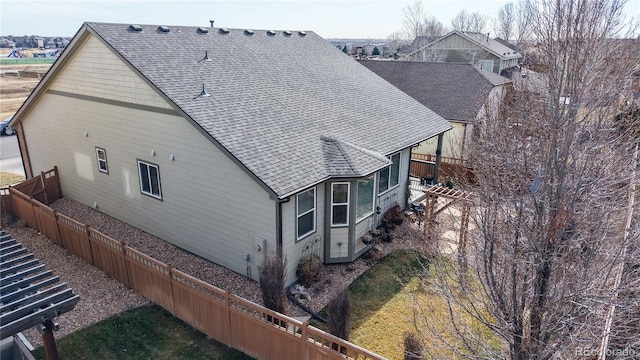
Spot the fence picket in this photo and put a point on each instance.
(230, 319)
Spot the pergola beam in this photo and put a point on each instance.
(30, 295)
(455, 195)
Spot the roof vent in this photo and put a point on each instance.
(202, 30)
(211, 22)
(302, 33)
(223, 31)
(204, 92)
(206, 56)
(135, 28)
(287, 33)
(164, 29)
(271, 33)
(249, 32)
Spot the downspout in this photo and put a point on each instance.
(279, 202)
(436, 172)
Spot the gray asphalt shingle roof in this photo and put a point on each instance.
(483, 40)
(453, 90)
(493, 45)
(277, 102)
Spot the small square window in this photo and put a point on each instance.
(101, 156)
(149, 179)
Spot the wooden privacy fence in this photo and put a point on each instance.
(423, 165)
(230, 319)
(45, 188)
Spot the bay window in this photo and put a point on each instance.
(389, 177)
(365, 202)
(339, 204)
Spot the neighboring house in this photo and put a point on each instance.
(457, 92)
(421, 41)
(228, 143)
(468, 47)
(6, 43)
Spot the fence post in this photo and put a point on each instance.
(126, 266)
(305, 340)
(229, 332)
(173, 300)
(33, 212)
(86, 230)
(44, 188)
(55, 170)
(58, 232)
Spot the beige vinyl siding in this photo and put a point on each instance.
(114, 80)
(452, 143)
(339, 235)
(209, 205)
(293, 249)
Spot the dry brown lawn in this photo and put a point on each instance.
(14, 90)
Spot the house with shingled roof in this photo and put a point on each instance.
(229, 143)
(461, 93)
(468, 47)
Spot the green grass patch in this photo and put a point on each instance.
(7, 179)
(147, 332)
(395, 297)
(26, 61)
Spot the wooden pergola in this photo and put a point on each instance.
(30, 295)
(451, 196)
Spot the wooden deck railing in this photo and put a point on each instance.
(230, 319)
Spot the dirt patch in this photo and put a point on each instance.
(16, 83)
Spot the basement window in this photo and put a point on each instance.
(101, 155)
(149, 179)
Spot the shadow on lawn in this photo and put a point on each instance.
(147, 332)
(378, 285)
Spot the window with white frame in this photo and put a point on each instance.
(101, 156)
(366, 189)
(149, 179)
(486, 65)
(339, 204)
(306, 212)
(389, 177)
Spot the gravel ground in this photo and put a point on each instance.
(102, 296)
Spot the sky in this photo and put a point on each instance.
(362, 19)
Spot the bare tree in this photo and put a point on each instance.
(554, 183)
(472, 22)
(416, 22)
(523, 14)
(413, 16)
(433, 27)
(505, 21)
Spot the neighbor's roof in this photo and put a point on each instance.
(482, 40)
(275, 99)
(453, 90)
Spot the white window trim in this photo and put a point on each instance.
(159, 196)
(389, 188)
(341, 204)
(313, 230)
(106, 164)
(373, 199)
